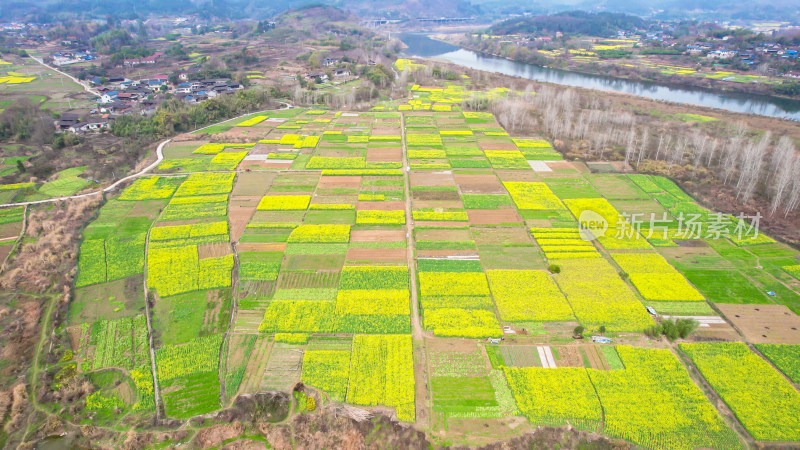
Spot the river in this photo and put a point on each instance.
(420, 45)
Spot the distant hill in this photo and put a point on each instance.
(573, 22)
(50, 10)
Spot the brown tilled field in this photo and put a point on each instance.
(377, 235)
(479, 184)
(384, 154)
(376, 255)
(343, 182)
(763, 324)
(493, 216)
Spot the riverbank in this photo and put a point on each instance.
(420, 45)
(610, 69)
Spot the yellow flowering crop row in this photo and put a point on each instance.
(556, 397)
(291, 338)
(298, 316)
(284, 202)
(252, 121)
(175, 270)
(599, 297)
(457, 216)
(655, 278)
(507, 159)
(328, 370)
(371, 197)
(426, 154)
(406, 64)
(764, 401)
(423, 140)
(307, 142)
(453, 284)
(226, 161)
(206, 184)
(334, 162)
(151, 188)
(357, 139)
(363, 172)
(320, 233)
(535, 196)
(455, 133)
(531, 143)
(634, 402)
(528, 295)
(388, 138)
(331, 206)
(188, 231)
(288, 139)
(457, 322)
(382, 373)
(380, 217)
(477, 115)
(374, 302)
(600, 206)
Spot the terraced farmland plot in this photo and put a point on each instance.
(381, 238)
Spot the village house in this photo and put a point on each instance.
(91, 125)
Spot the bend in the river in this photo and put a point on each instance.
(421, 45)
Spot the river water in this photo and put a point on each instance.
(421, 45)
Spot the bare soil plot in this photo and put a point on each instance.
(262, 149)
(569, 356)
(240, 135)
(436, 195)
(381, 206)
(715, 332)
(384, 154)
(490, 145)
(761, 324)
(10, 229)
(442, 235)
(500, 236)
(261, 247)
(251, 184)
(451, 345)
(468, 254)
(239, 216)
(336, 182)
(596, 357)
(479, 184)
(270, 164)
(283, 368)
(385, 131)
(5, 250)
(517, 175)
(438, 204)
(257, 365)
(432, 178)
(214, 250)
(377, 235)
(492, 216)
(376, 255)
(434, 223)
(337, 152)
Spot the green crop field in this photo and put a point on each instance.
(374, 262)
